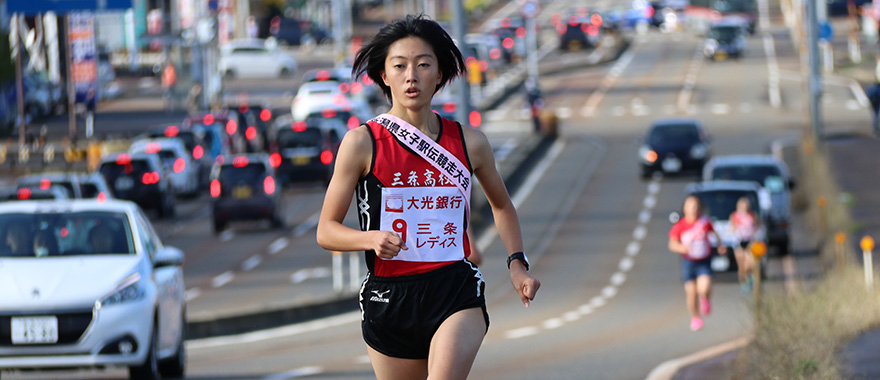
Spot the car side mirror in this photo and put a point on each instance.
(167, 257)
(674, 217)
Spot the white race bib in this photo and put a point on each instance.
(430, 220)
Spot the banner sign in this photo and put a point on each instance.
(84, 65)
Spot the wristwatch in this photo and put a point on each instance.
(518, 256)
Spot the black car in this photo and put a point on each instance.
(306, 150)
(287, 31)
(573, 33)
(673, 146)
(140, 178)
(245, 188)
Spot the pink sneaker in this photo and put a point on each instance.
(696, 323)
(705, 306)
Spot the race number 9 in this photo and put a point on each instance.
(399, 226)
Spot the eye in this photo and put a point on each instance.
(424, 64)
(398, 66)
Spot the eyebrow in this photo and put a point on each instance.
(418, 56)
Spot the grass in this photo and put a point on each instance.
(800, 336)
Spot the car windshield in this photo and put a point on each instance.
(719, 204)
(89, 190)
(722, 33)
(683, 133)
(38, 182)
(53, 234)
(755, 173)
(249, 174)
(310, 137)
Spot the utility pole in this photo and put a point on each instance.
(459, 29)
(814, 81)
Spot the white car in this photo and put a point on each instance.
(89, 284)
(183, 172)
(255, 59)
(325, 99)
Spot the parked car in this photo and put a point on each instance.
(766, 171)
(719, 201)
(726, 38)
(307, 149)
(184, 175)
(673, 146)
(140, 178)
(255, 59)
(245, 188)
(86, 284)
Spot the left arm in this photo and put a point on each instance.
(506, 219)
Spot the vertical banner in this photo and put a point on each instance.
(84, 62)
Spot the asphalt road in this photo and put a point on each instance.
(611, 305)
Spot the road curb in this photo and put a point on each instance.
(668, 369)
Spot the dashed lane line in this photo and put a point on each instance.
(296, 373)
(222, 279)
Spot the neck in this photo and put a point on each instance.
(690, 218)
(424, 119)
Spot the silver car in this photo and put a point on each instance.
(89, 284)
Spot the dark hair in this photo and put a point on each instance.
(370, 59)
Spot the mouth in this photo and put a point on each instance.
(412, 92)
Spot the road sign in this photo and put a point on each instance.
(33, 7)
(530, 10)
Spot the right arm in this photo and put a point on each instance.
(676, 246)
(352, 163)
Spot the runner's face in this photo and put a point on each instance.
(742, 205)
(412, 72)
(691, 208)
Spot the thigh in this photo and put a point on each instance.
(704, 282)
(455, 344)
(390, 368)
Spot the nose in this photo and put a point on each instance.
(411, 75)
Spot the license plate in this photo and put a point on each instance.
(124, 183)
(34, 330)
(671, 164)
(301, 160)
(241, 192)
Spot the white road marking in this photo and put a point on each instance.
(302, 275)
(632, 248)
(563, 112)
(720, 109)
(650, 201)
(293, 374)
(653, 187)
(609, 291)
(773, 89)
(571, 316)
(278, 332)
(593, 101)
(537, 173)
(278, 245)
(585, 309)
(192, 293)
(222, 279)
(521, 332)
(597, 302)
(363, 359)
(626, 264)
(644, 217)
(618, 279)
(227, 235)
(310, 223)
(553, 323)
(640, 232)
(251, 263)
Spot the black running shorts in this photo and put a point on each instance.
(401, 314)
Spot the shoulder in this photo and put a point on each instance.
(675, 231)
(357, 142)
(476, 140)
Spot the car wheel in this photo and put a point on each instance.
(175, 366)
(277, 221)
(285, 72)
(149, 370)
(229, 74)
(219, 226)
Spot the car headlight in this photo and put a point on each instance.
(710, 46)
(131, 289)
(698, 151)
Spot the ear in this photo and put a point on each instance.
(384, 78)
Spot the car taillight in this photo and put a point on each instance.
(220, 160)
(123, 159)
(449, 107)
(153, 148)
(24, 193)
(198, 152)
(265, 115)
(495, 53)
(596, 19)
(171, 131)
(150, 178)
(45, 183)
(344, 87)
(326, 157)
(275, 160)
(298, 126)
(560, 28)
(250, 133)
(353, 122)
(521, 32)
(215, 188)
(240, 161)
(179, 165)
(328, 113)
(231, 127)
(475, 118)
(651, 156)
(593, 30)
(508, 43)
(208, 119)
(102, 197)
(357, 87)
(269, 185)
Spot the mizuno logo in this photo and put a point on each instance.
(380, 296)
